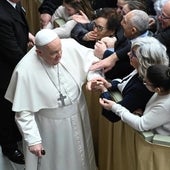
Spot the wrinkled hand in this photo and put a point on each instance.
(36, 149)
(98, 84)
(44, 20)
(81, 17)
(94, 85)
(103, 81)
(109, 41)
(31, 40)
(99, 49)
(105, 64)
(107, 104)
(90, 36)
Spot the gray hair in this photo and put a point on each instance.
(158, 4)
(140, 20)
(149, 51)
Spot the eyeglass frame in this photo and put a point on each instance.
(132, 54)
(163, 16)
(99, 27)
(147, 83)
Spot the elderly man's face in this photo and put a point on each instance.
(51, 52)
(164, 17)
(127, 26)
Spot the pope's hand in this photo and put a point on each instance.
(37, 149)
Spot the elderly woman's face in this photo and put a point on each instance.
(100, 28)
(133, 58)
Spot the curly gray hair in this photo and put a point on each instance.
(149, 51)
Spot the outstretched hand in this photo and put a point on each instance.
(99, 49)
(105, 64)
(107, 104)
(98, 84)
(81, 17)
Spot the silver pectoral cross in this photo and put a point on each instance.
(61, 98)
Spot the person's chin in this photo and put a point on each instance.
(56, 61)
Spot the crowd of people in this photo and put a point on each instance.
(121, 45)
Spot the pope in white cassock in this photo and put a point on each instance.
(51, 112)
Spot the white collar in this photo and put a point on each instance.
(142, 35)
(12, 3)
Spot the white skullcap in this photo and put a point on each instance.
(45, 36)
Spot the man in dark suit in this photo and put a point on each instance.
(14, 36)
(164, 34)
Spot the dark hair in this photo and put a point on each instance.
(113, 18)
(159, 76)
(83, 5)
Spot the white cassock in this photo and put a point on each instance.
(62, 126)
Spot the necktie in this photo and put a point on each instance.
(18, 8)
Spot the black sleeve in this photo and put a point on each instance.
(122, 46)
(79, 31)
(136, 98)
(122, 53)
(49, 6)
(163, 37)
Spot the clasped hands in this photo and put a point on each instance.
(101, 85)
(98, 84)
(102, 45)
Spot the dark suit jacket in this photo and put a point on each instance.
(13, 46)
(13, 40)
(79, 31)
(164, 37)
(135, 95)
(122, 47)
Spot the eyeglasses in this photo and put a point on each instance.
(132, 54)
(146, 83)
(163, 16)
(99, 27)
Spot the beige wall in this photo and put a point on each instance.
(31, 7)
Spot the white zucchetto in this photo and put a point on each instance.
(45, 36)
